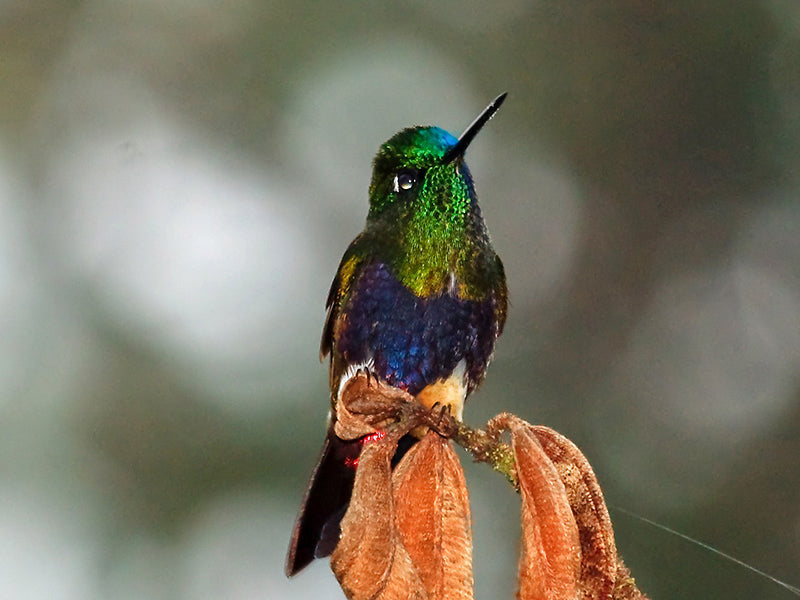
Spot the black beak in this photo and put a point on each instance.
(470, 132)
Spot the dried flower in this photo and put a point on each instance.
(407, 531)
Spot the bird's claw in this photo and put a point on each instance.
(441, 420)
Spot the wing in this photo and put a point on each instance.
(349, 268)
(316, 531)
(501, 296)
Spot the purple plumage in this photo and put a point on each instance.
(412, 341)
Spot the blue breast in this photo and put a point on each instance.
(414, 341)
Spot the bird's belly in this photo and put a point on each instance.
(449, 392)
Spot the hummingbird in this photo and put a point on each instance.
(419, 300)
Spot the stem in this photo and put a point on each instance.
(487, 448)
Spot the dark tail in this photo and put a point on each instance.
(317, 529)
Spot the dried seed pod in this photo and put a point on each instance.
(370, 561)
(433, 518)
(599, 552)
(550, 556)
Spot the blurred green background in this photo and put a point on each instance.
(178, 180)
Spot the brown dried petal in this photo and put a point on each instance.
(369, 561)
(599, 564)
(366, 404)
(550, 558)
(433, 518)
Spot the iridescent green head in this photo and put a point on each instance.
(424, 211)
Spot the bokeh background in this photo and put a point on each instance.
(178, 180)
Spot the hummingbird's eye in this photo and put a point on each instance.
(404, 180)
